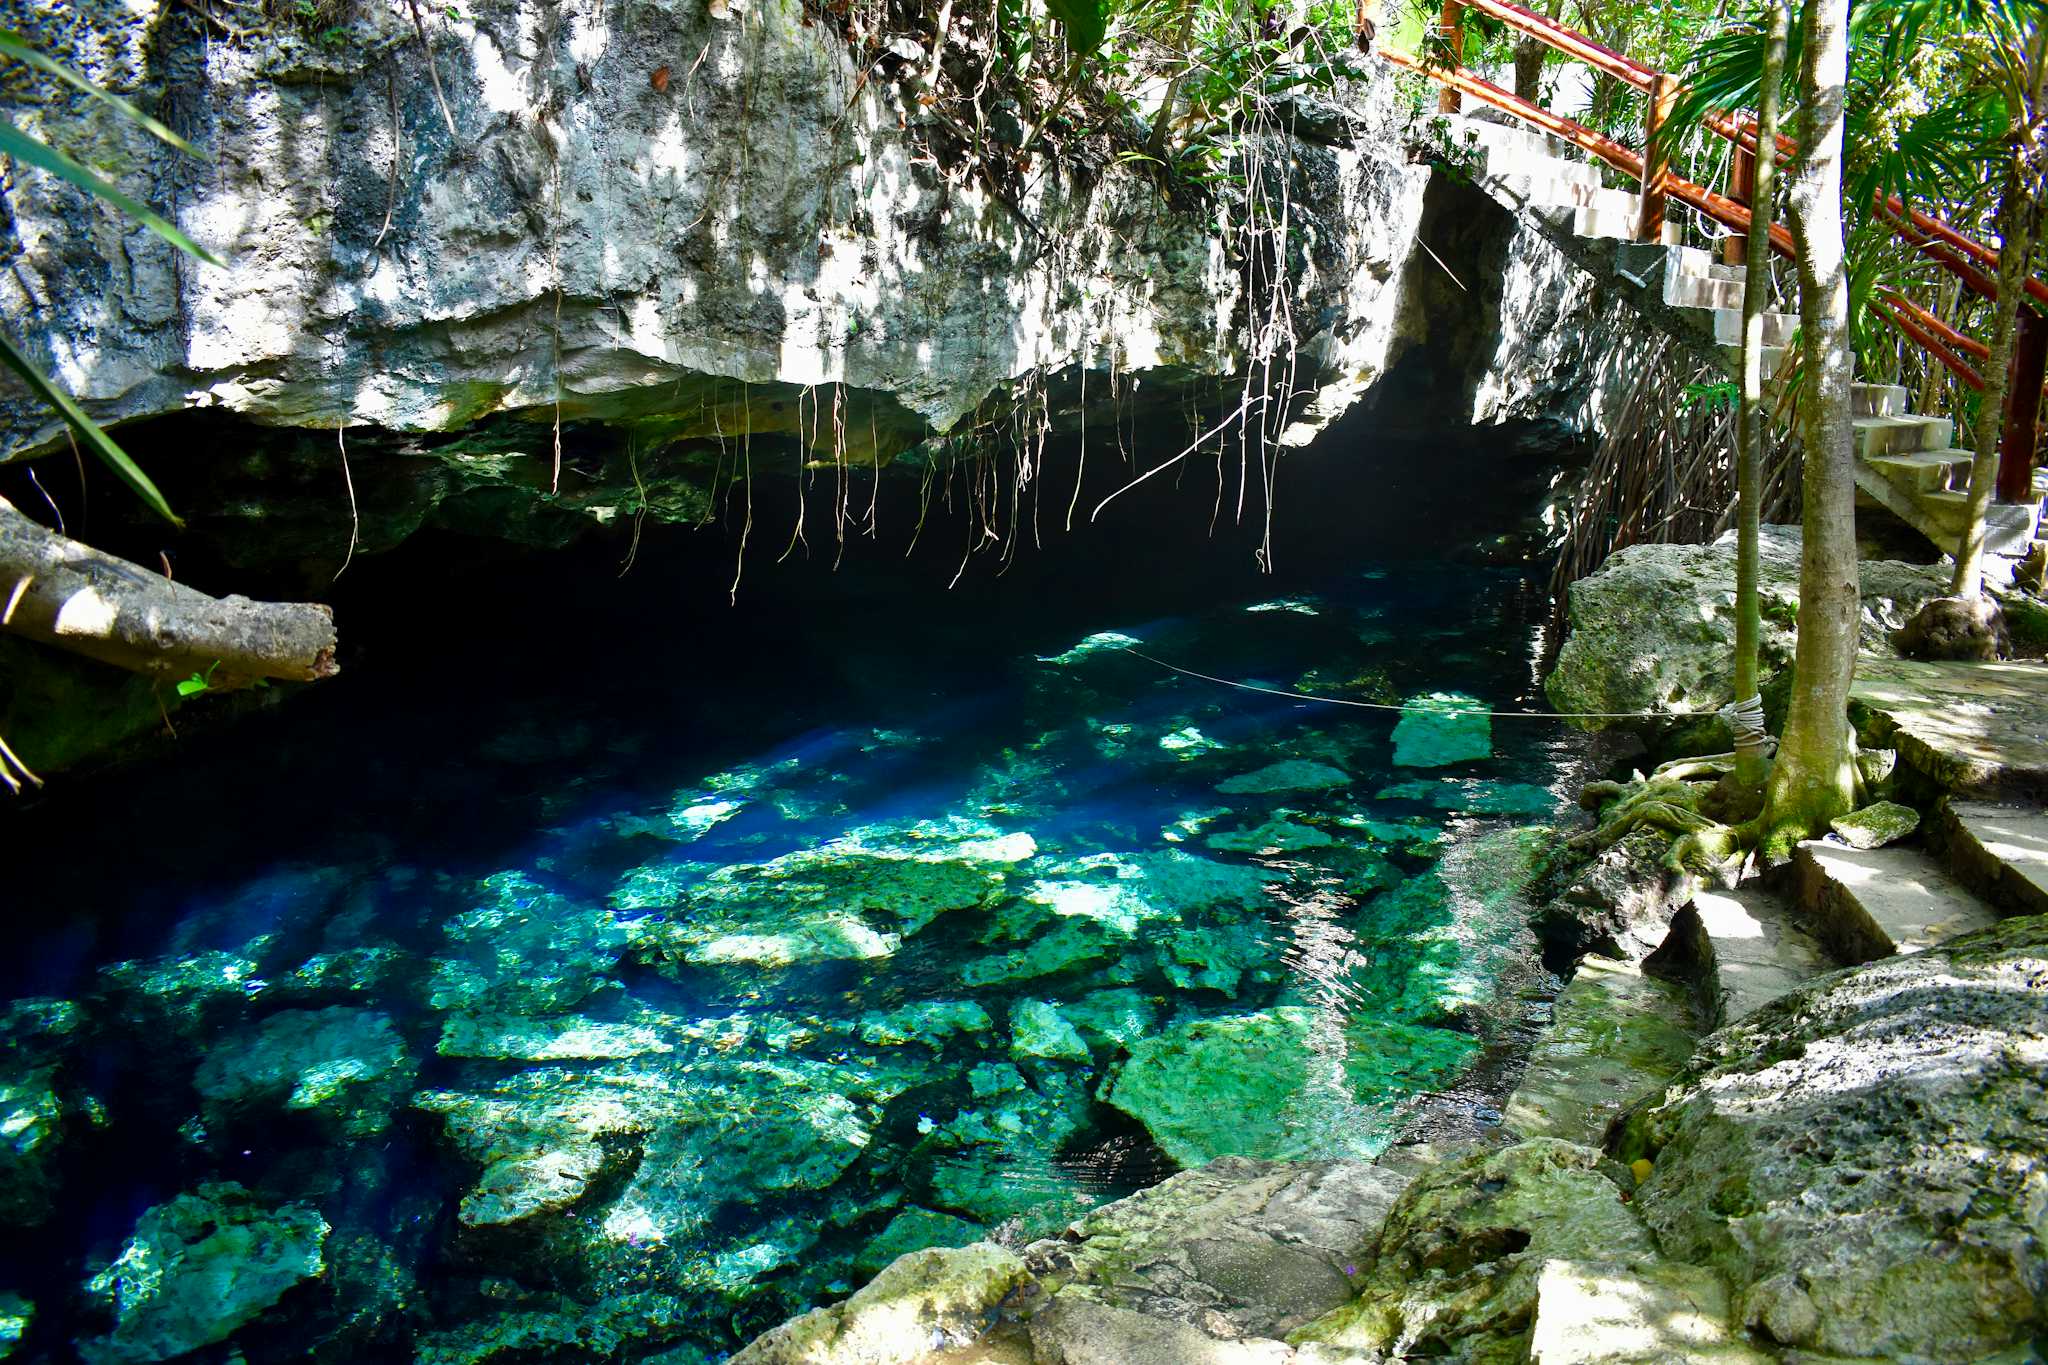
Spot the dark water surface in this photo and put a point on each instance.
(597, 971)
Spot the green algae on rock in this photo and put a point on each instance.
(197, 1268)
(1439, 729)
(915, 1229)
(1461, 1252)
(1037, 1029)
(1274, 1083)
(347, 1067)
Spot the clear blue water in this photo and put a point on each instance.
(636, 983)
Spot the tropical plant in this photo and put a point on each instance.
(31, 151)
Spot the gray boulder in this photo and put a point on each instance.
(1654, 629)
(1866, 1159)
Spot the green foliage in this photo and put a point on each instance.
(30, 151)
(1721, 395)
(198, 682)
(1084, 21)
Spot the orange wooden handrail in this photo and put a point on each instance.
(1743, 134)
(1718, 207)
(1929, 343)
(1948, 335)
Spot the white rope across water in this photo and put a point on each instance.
(1424, 708)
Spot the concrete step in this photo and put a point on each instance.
(1877, 400)
(1702, 291)
(1864, 904)
(1615, 223)
(1544, 190)
(1998, 851)
(2009, 527)
(1901, 435)
(1778, 327)
(1616, 1034)
(1757, 950)
(1926, 471)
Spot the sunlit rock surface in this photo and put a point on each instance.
(1864, 1158)
(694, 256)
(198, 1267)
(1653, 631)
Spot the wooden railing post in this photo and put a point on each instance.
(1742, 189)
(2023, 408)
(1452, 26)
(1656, 164)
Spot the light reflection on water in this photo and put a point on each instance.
(719, 1028)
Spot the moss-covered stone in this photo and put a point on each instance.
(198, 1267)
(1290, 775)
(1037, 1029)
(1875, 825)
(1459, 1259)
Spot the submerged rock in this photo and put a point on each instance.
(16, 1313)
(198, 1267)
(1276, 1082)
(347, 1067)
(915, 1230)
(526, 950)
(1037, 1029)
(931, 1022)
(1290, 775)
(1863, 1158)
(1438, 729)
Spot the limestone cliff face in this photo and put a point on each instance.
(682, 227)
(642, 211)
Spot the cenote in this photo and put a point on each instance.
(610, 968)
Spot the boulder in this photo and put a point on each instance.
(1039, 1030)
(1864, 1158)
(1237, 1248)
(1653, 630)
(925, 1301)
(198, 1267)
(915, 1229)
(1620, 903)
(1955, 628)
(1464, 1249)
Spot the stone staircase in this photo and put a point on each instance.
(1906, 464)
(1620, 1030)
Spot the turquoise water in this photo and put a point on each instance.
(621, 1010)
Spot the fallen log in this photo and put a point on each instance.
(62, 593)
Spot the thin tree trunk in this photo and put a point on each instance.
(1753, 420)
(62, 593)
(1159, 144)
(1814, 777)
(2018, 226)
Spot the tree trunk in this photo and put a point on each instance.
(2019, 222)
(1814, 777)
(62, 593)
(1752, 425)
